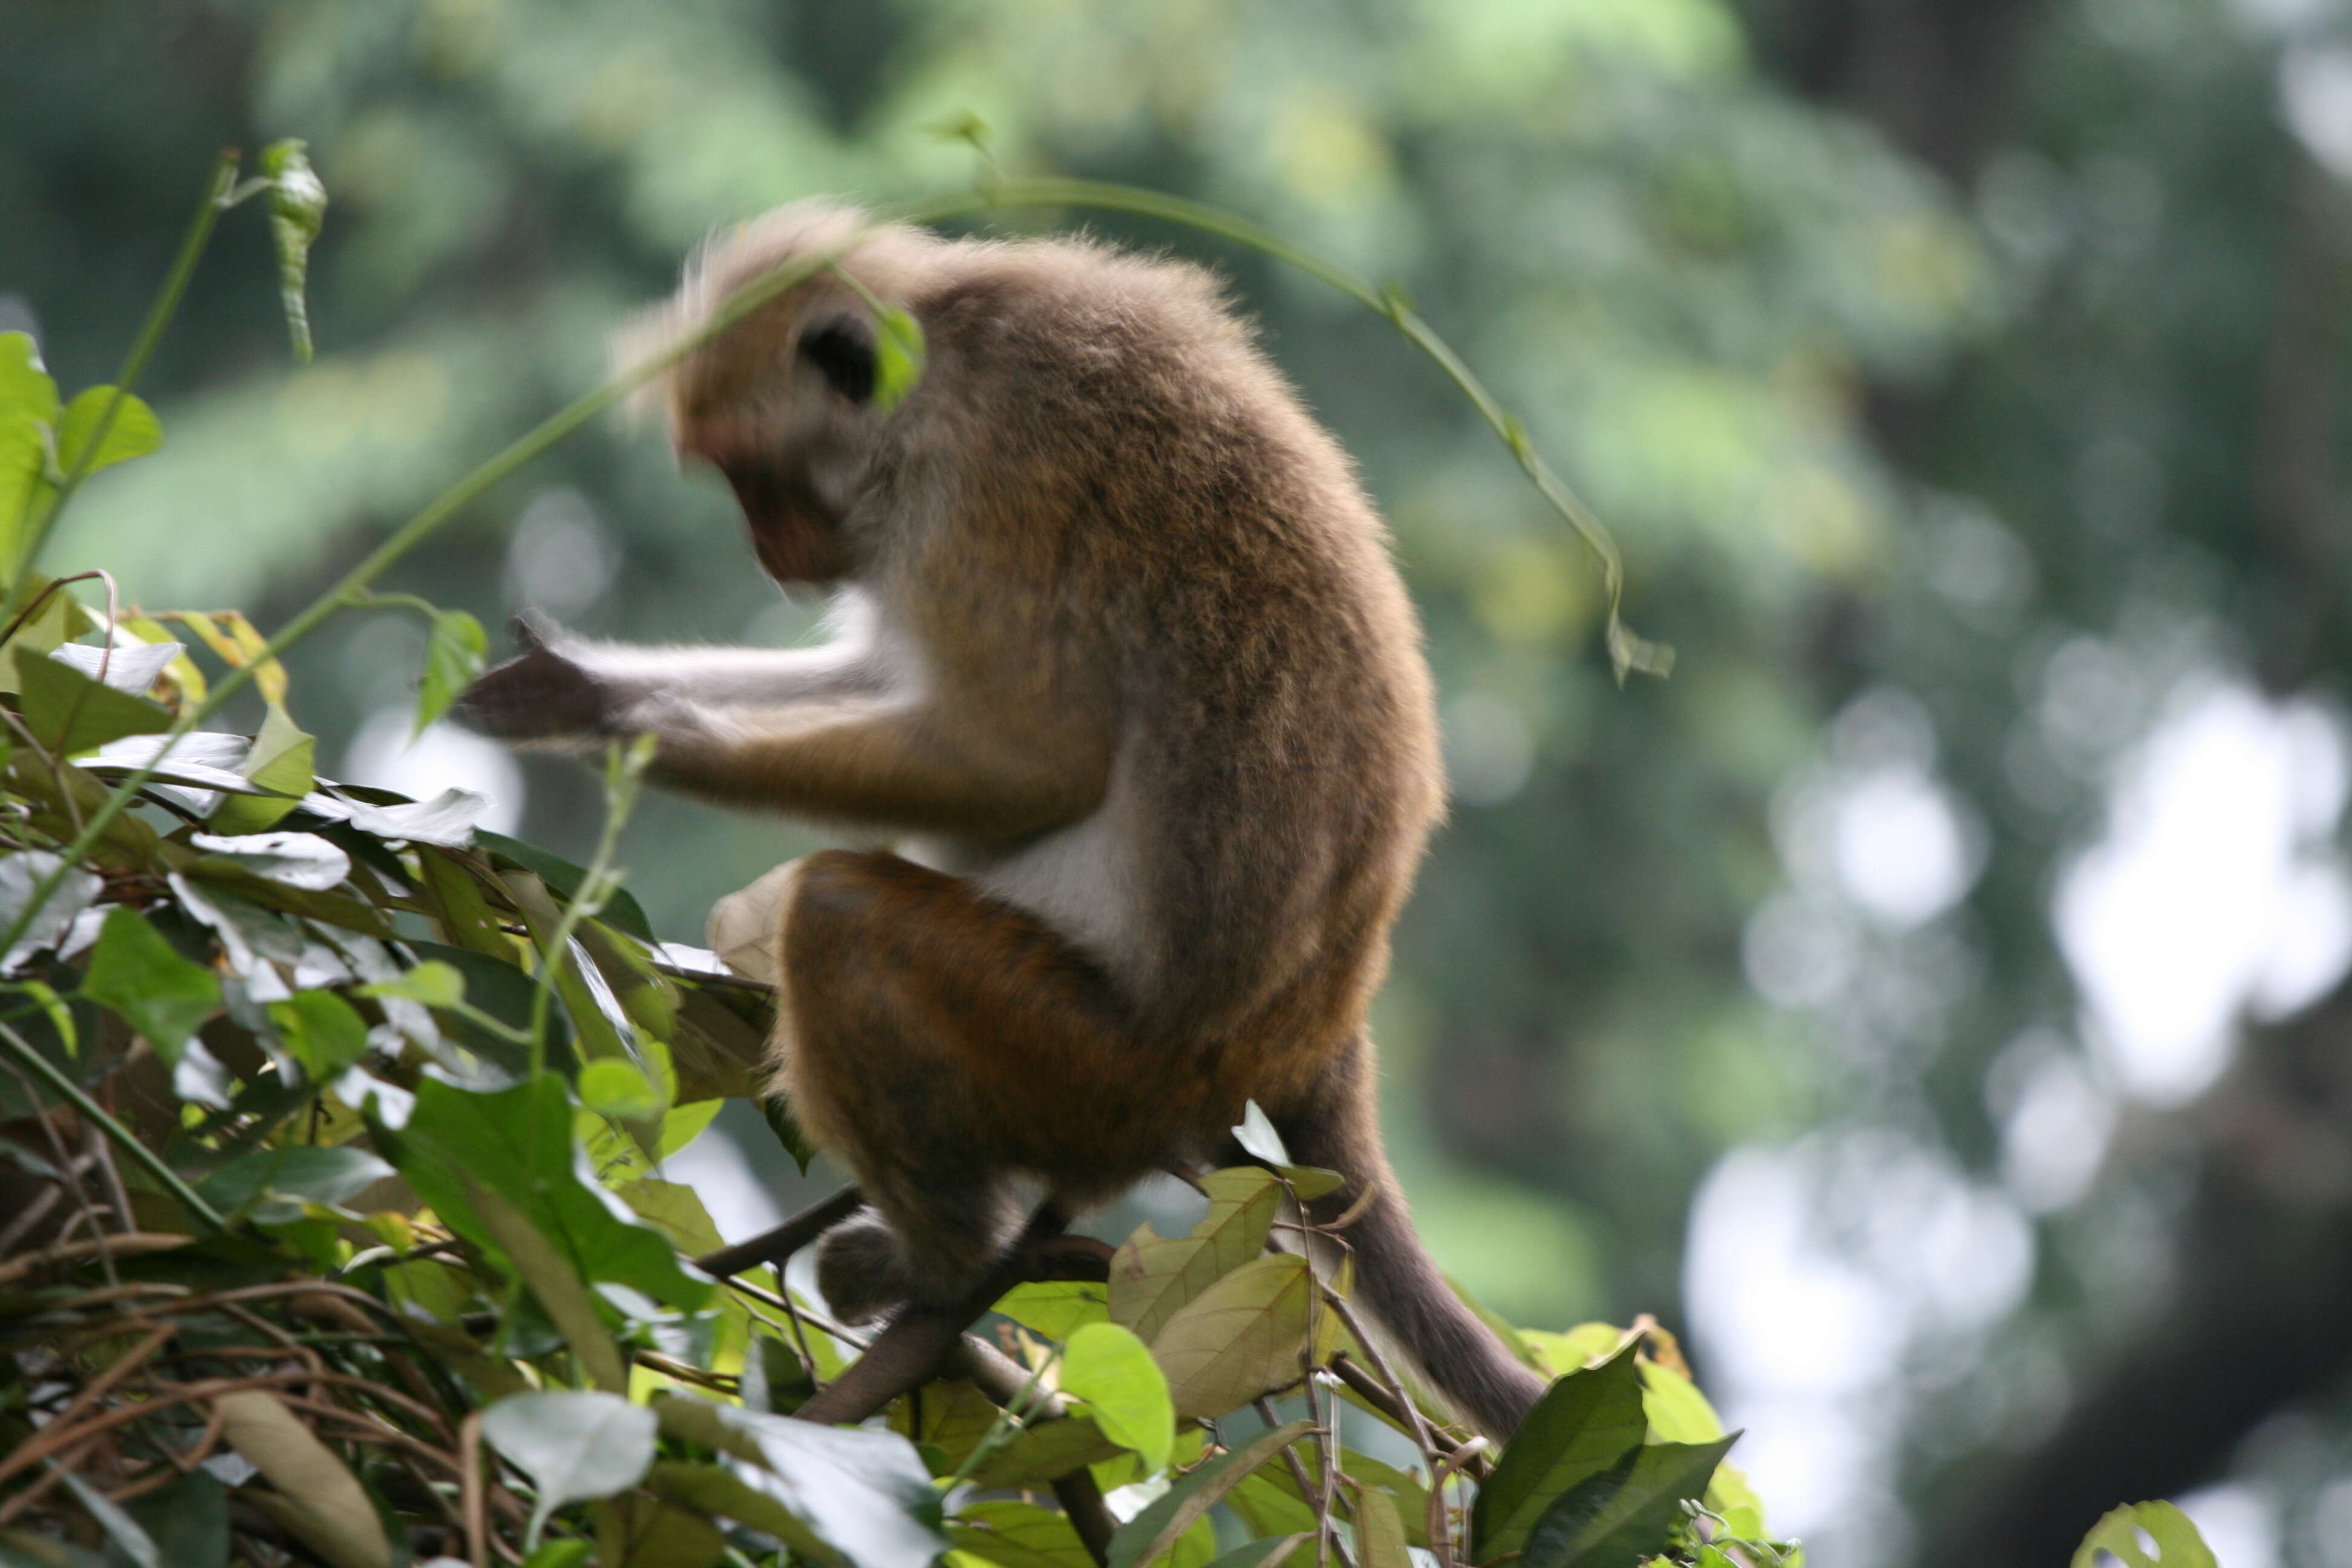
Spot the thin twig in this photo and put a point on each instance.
(778, 1243)
(137, 1242)
(1440, 1527)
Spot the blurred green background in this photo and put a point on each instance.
(1928, 1001)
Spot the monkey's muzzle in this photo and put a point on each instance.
(795, 536)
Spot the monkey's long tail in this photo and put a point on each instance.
(1395, 1276)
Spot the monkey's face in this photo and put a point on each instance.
(782, 405)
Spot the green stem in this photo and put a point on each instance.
(421, 606)
(623, 769)
(142, 348)
(26, 1055)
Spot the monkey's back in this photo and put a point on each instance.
(1204, 544)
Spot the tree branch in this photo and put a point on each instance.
(777, 1245)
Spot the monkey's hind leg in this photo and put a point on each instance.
(942, 1043)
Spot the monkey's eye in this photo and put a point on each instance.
(843, 353)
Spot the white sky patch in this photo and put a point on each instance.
(2213, 893)
(561, 559)
(1813, 1273)
(2054, 1137)
(444, 756)
(2239, 1522)
(2315, 96)
(1898, 846)
(732, 1195)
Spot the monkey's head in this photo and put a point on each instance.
(782, 402)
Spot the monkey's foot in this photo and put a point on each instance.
(743, 925)
(859, 1270)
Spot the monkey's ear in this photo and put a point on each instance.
(843, 351)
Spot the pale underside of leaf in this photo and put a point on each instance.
(317, 1497)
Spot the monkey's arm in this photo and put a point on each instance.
(992, 762)
(889, 763)
(563, 685)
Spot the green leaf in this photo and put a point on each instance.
(134, 433)
(563, 879)
(1057, 1308)
(538, 1263)
(297, 1174)
(1017, 1536)
(321, 1031)
(1626, 1511)
(562, 1554)
(1046, 1452)
(618, 1088)
(899, 357)
(638, 1531)
(1261, 1553)
(517, 1142)
(455, 652)
(1268, 1503)
(1678, 1412)
(1559, 1354)
(713, 1491)
(2178, 1544)
(159, 994)
(1166, 1517)
(1312, 1181)
(865, 1493)
(280, 763)
(677, 1210)
(1244, 1336)
(188, 1520)
(71, 713)
(435, 983)
(1113, 1372)
(27, 391)
(575, 1444)
(28, 412)
(1151, 1278)
(1379, 1531)
(1582, 1425)
(298, 209)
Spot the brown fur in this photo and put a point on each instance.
(1144, 685)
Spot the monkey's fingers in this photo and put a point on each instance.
(538, 696)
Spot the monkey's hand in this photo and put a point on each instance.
(545, 693)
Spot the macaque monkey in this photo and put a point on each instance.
(1122, 666)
